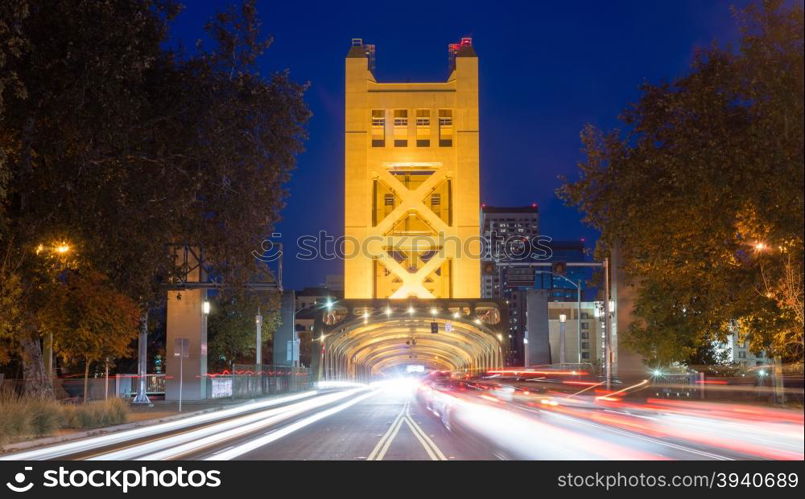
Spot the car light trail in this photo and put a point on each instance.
(278, 434)
(87, 444)
(171, 447)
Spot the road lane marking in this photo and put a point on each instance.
(282, 432)
(395, 425)
(430, 446)
(383, 445)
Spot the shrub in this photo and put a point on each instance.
(22, 417)
(97, 414)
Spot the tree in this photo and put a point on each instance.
(703, 191)
(232, 325)
(121, 146)
(90, 320)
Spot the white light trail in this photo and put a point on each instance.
(276, 435)
(59, 450)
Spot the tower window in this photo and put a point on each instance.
(378, 117)
(445, 127)
(436, 200)
(388, 200)
(400, 117)
(423, 117)
(378, 128)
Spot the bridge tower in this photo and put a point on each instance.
(411, 181)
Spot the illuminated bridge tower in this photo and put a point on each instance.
(411, 181)
(412, 254)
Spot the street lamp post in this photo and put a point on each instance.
(142, 363)
(576, 285)
(607, 326)
(562, 319)
(258, 322)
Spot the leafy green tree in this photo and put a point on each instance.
(90, 320)
(703, 193)
(232, 326)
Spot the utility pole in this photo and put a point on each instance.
(578, 319)
(607, 326)
(142, 362)
(258, 353)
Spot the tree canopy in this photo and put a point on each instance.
(703, 191)
(117, 145)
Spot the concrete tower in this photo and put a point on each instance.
(411, 181)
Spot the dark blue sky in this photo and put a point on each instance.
(546, 69)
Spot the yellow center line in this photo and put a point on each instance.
(430, 446)
(385, 440)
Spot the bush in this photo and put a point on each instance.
(98, 414)
(22, 417)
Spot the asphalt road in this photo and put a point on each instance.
(388, 425)
(398, 421)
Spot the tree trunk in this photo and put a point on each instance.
(86, 380)
(779, 388)
(36, 383)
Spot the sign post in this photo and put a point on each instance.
(181, 349)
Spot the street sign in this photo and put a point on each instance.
(434, 327)
(181, 348)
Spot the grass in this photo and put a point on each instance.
(22, 418)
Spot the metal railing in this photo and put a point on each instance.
(251, 380)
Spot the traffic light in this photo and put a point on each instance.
(434, 327)
(559, 268)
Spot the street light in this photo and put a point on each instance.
(562, 320)
(576, 285)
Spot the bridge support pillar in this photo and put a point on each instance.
(186, 321)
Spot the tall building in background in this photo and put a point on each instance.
(506, 275)
(506, 229)
(411, 181)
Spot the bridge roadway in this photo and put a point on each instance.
(399, 421)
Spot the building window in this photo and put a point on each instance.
(585, 335)
(423, 142)
(400, 143)
(400, 117)
(378, 117)
(388, 199)
(741, 355)
(436, 199)
(445, 127)
(585, 325)
(585, 345)
(423, 117)
(585, 355)
(378, 128)
(584, 315)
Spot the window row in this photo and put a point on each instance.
(400, 133)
